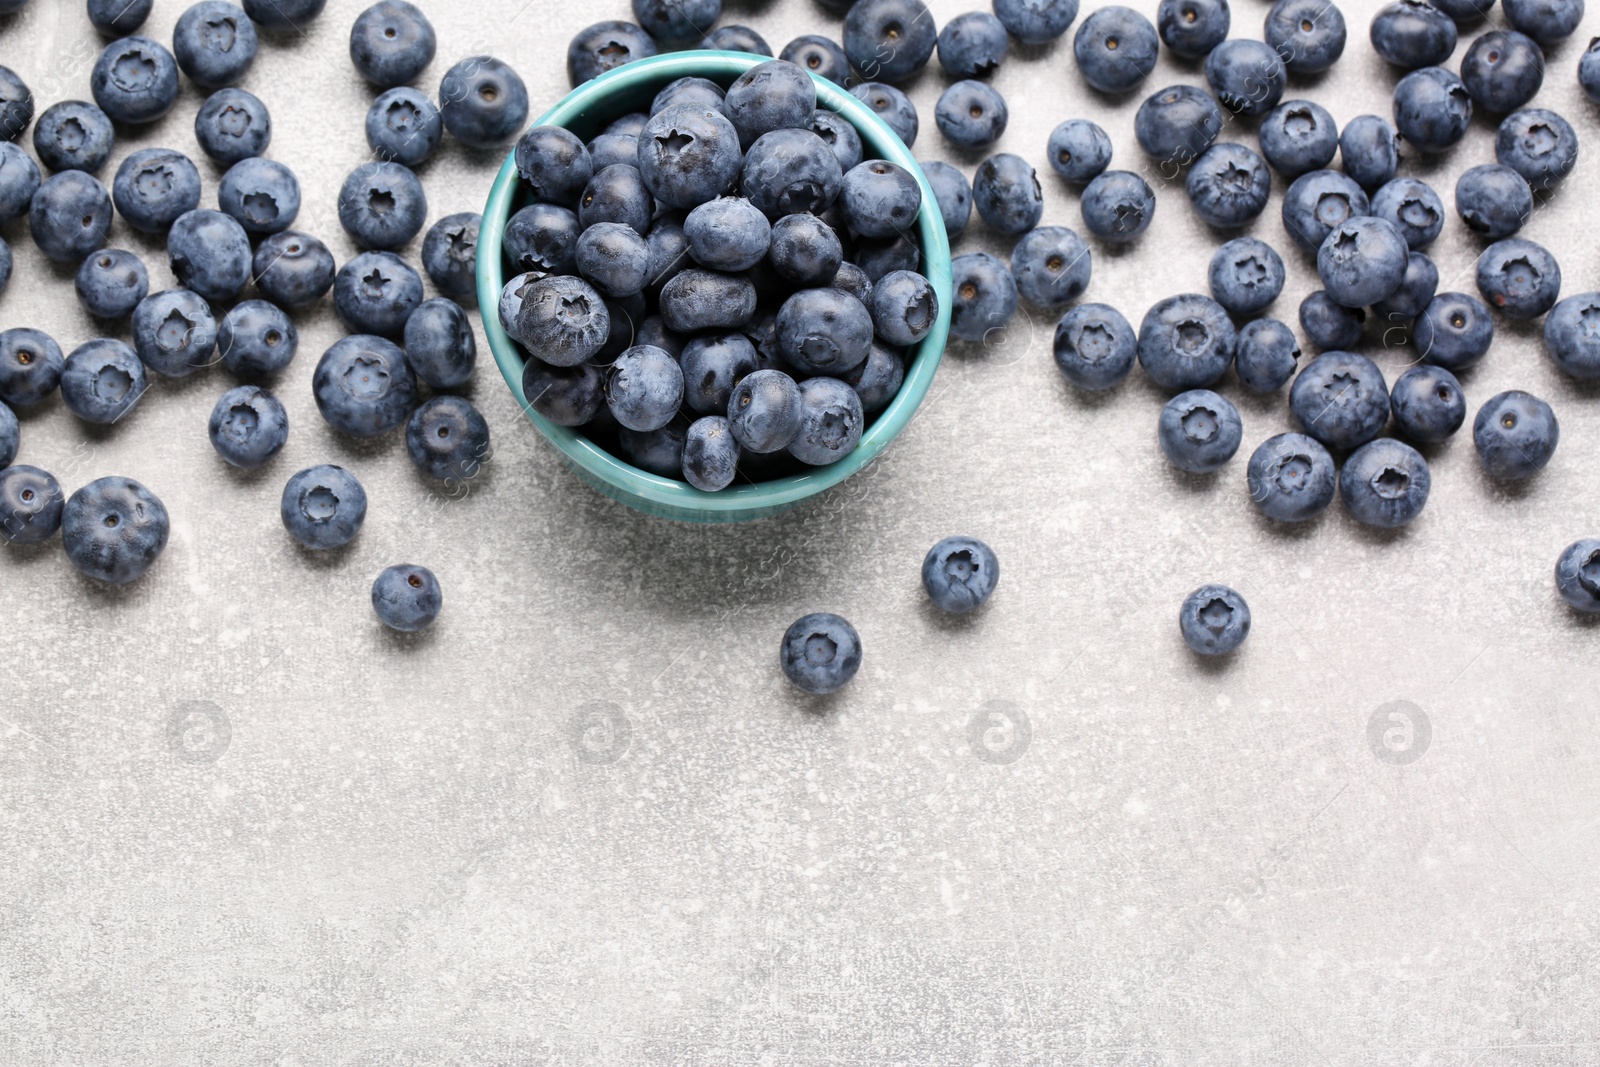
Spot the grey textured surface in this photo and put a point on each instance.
(240, 824)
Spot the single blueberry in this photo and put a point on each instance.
(1079, 151)
(255, 339)
(1341, 399)
(1493, 200)
(376, 292)
(1427, 403)
(1546, 21)
(644, 388)
(31, 502)
(118, 18)
(819, 55)
(1006, 192)
(696, 300)
(1247, 76)
(73, 135)
(567, 396)
(1578, 575)
(403, 126)
(615, 259)
(677, 22)
(1588, 76)
(111, 282)
(616, 193)
(1267, 355)
(1432, 109)
(1519, 278)
(1412, 34)
(1094, 346)
(805, 250)
(953, 194)
(840, 137)
(1228, 185)
(1571, 338)
(323, 507)
(880, 199)
(175, 333)
(554, 164)
(971, 114)
(1454, 331)
(114, 529)
(382, 205)
(1298, 137)
(69, 216)
(1317, 203)
(1246, 275)
(135, 80)
(262, 195)
(391, 43)
(1539, 145)
(1370, 151)
(736, 38)
(904, 306)
(1176, 124)
(1417, 288)
(1036, 22)
(710, 454)
(877, 257)
(209, 253)
(1384, 483)
(363, 386)
(1502, 70)
(611, 148)
(292, 269)
(775, 95)
(878, 378)
(892, 106)
(728, 233)
(889, 40)
(1515, 433)
(1308, 34)
(152, 187)
(1413, 207)
(960, 574)
(482, 101)
(688, 154)
(1117, 206)
(1291, 478)
(789, 171)
(1362, 261)
(972, 45)
(659, 451)
(984, 296)
(563, 321)
(1115, 48)
(283, 16)
(543, 237)
(406, 598)
(830, 422)
(669, 250)
(248, 426)
(1199, 431)
(828, 331)
(30, 366)
(16, 103)
(701, 92)
(19, 180)
(1186, 342)
(764, 411)
(1328, 324)
(448, 439)
(232, 125)
(1051, 266)
(439, 344)
(712, 365)
(821, 652)
(450, 254)
(1192, 28)
(1214, 620)
(215, 43)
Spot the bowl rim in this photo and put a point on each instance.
(667, 496)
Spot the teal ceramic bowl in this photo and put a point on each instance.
(586, 111)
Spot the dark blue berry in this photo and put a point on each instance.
(1362, 261)
(1546, 21)
(118, 18)
(1384, 483)
(658, 451)
(1309, 35)
(878, 378)
(1417, 287)
(1192, 28)
(892, 106)
(255, 339)
(1493, 200)
(248, 427)
(1214, 620)
(1176, 124)
(73, 135)
(376, 292)
(774, 95)
(878, 257)
(712, 365)
(483, 102)
(382, 205)
(30, 366)
(1006, 192)
(292, 269)
(391, 43)
(614, 258)
(953, 193)
(1199, 431)
(1115, 48)
(972, 45)
(735, 38)
(819, 55)
(1247, 76)
(406, 598)
(1453, 331)
(1571, 337)
(696, 300)
(805, 250)
(284, 16)
(403, 126)
(1465, 12)
(1588, 74)
(1117, 206)
(1079, 151)
(701, 92)
(1412, 34)
(214, 43)
(543, 237)
(1186, 342)
(1228, 185)
(19, 180)
(1432, 109)
(710, 454)
(1328, 324)
(728, 233)
(904, 306)
(677, 22)
(232, 125)
(830, 422)
(840, 137)
(111, 282)
(1094, 346)
(10, 436)
(1539, 145)
(363, 386)
(1298, 137)
(262, 195)
(1266, 356)
(114, 529)
(789, 171)
(135, 80)
(448, 439)
(889, 40)
(69, 216)
(554, 163)
(821, 652)
(16, 104)
(880, 199)
(1427, 403)
(1051, 266)
(764, 411)
(1578, 575)
(154, 186)
(644, 388)
(323, 507)
(1036, 22)
(825, 330)
(1370, 151)
(450, 254)
(971, 114)
(960, 574)
(102, 380)
(688, 154)
(209, 253)
(1502, 70)
(1413, 207)
(31, 502)
(175, 333)
(1341, 399)
(1246, 275)
(1515, 433)
(984, 296)
(1318, 202)
(616, 193)
(567, 396)
(1291, 478)
(439, 344)
(1519, 278)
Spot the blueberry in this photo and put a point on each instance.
(644, 388)
(659, 451)
(376, 292)
(840, 137)
(135, 80)
(567, 396)
(688, 154)
(735, 38)
(118, 18)
(1454, 331)
(19, 180)
(114, 529)
(972, 45)
(1246, 275)
(1228, 185)
(971, 114)
(1362, 261)
(1247, 76)
(1051, 266)
(1094, 346)
(31, 502)
(1370, 150)
(1412, 34)
(1413, 207)
(543, 237)
(1186, 342)
(382, 205)
(904, 306)
(853, 280)
(174, 332)
(1115, 48)
(830, 422)
(1006, 193)
(1214, 620)
(1502, 70)
(292, 269)
(403, 126)
(615, 194)
(391, 43)
(1417, 287)
(16, 105)
(1588, 77)
(631, 124)
(1427, 404)
(1266, 355)
(728, 233)
(1036, 22)
(960, 574)
(1291, 478)
(214, 42)
(712, 365)
(805, 250)
(1577, 574)
(439, 344)
(1493, 200)
(710, 454)
(248, 426)
(1308, 34)
(828, 331)
(363, 386)
(1432, 109)
(1298, 137)
(232, 125)
(1319, 202)
(1341, 399)
(696, 300)
(677, 22)
(878, 378)
(1539, 145)
(283, 16)
(111, 282)
(482, 101)
(774, 95)
(323, 507)
(510, 303)
(789, 171)
(10, 436)
(406, 598)
(1546, 21)
(1117, 206)
(1078, 150)
(1571, 337)
(880, 199)
(892, 106)
(30, 366)
(154, 186)
(69, 216)
(669, 250)
(263, 196)
(256, 339)
(450, 254)
(1176, 124)
(701, 92)
(1192, 28)
(821, 652)
(765, 411)
(611, 148)
(554, 163)
(209, 253)
(878, 257)
(1516, 434)
(1328, 324)
(952, 193)
(1199, 431)
(73, 135)
(1520, 278)
(820, 55)
(1465, 12)
(102, 380)
(1385, 483)
(985, 296)
(615, 259)
(5, 265)
(889, 40)
(448, 439)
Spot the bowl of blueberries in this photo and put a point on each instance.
(717, 283)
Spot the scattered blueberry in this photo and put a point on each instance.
(1427, 403)
(31, 502)
(292, 269)
(1414, 209)
(1370, 151)
(1177, 123)
(16, 104)
(73, 135)
(30, 366)
(1502, 70)
(1247, 76)
(363, 386)
(1519, 278)
(1246, 275)
(1291, 478)
(450, 254)
(735, 38)
(820, 55)
(114, 529)
(262, 195)
(376, 292)
(1341, 399)
(1454, 331)
(821, 652)
(482, 101)
(1362, 261)
(1186, 342)
(439, 344)
(1192, 28)
(1328, 324)
(403, 126)
(1266, 356)
(1571, 337)
(1493, 200)
(1546, 21)
(1384, 483)
(448, 439)
(1417, 288)
(19, 180)
(1539, 145)
(1051, 266)
(1199, 431)
(878, 379)
(892, 106)
(1432, 109)
(406, 597)
(984, 296)
(232, 125)
(174, 332)
(972, 45)
(889, 40)
(382, 205)
(880, 199)
(830, 422)
(1036, 22)
(1317, 203)
(118, 18)
(1298, 137)
(1116, 49)
(1588, 73)
(1214, 620)
(214, 43)
(209, 253)
(1412, 34)
(248, 426)
(1308, 34)
(323, 507)
(1228, 185)
(111, 282)
(154, 186)
(283, 16)
(135, 80)
(971, 114)
(70, 216)
(391, 43)
(960, 574)
(1516, 434)
(1094, 346)
(255, 339)
(1577, 574)
(1079, 151)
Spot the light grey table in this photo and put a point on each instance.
(584, 819)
